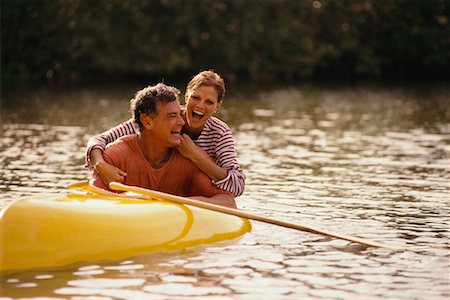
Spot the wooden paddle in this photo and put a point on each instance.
(235, 212)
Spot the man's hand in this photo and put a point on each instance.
(109, 173)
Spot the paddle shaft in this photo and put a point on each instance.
(239, 213)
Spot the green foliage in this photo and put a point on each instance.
(278, 40)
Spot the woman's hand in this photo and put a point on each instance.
(188, 148)
(109, 173)
(191, 151)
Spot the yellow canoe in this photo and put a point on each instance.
(54, 230)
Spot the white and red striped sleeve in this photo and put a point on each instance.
(217, 140)
(101, 140)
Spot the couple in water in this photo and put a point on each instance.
(142, 151)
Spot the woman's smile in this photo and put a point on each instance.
(201, 103)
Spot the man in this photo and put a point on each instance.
(150, 158)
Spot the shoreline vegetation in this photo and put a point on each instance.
(267, 41)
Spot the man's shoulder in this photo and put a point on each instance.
(184, 165)
(124, 143)
(178, 159)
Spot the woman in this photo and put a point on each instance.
(204, 96)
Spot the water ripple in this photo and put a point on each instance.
(372, 164)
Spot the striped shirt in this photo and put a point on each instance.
(215, 139)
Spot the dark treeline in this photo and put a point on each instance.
(66, 41)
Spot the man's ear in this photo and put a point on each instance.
(146, 121)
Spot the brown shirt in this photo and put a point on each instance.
(178, 176)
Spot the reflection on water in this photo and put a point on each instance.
(372, 163)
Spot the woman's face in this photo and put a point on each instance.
(201, 103)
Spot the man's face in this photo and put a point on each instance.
(166, 126)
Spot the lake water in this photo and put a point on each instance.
(362, 161)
